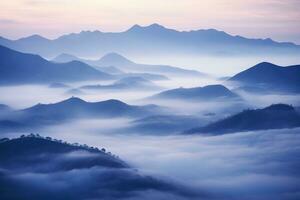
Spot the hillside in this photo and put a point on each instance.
(21, 68)
(270, 77)
(210, 92)
(277, 116)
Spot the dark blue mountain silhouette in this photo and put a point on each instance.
(269, 77)
(33, 167)
(276, 116)
(154, 40)
(72, 108)
(17, 68)
(164, 124)
(64, 57)
(15, 151)
(212, 92)
(76, 107)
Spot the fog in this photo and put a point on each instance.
(219, 65)
(247, 165)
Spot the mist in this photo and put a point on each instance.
(150, 135)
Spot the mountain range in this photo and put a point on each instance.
(154, 40)
(277, 116)
(118, 64)
(164, 124)
(269, 77)
(209, 92)
(128, 83)
(69, 109)
(22, 68)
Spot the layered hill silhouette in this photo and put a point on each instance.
(34, 167)
(164, 124)
(154, 40)
(269, 77)
(20, 68)
(125, 84)
(118, 63)
(69, 109)
(277, 116)
(210, 92)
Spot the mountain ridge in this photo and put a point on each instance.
(270, 77)
(18, 67)
(275, 116)
(153, 39)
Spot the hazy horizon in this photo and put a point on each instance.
(279, 20)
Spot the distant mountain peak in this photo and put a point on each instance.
(264, 64)
(65, 57)
(281, 107)
(114, 59)
(34, 37)
(90, 32)
(151, 27)
(73, 100)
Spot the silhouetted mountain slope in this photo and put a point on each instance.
(33, 167)
(276, 116)
(155, 40)
(17, 68)
(113, 60)
(75, 107)
(15, 154)
(212, 92)
(164, 124)
(270, 77)
(64, 57)
(70, 109)
(126, 83)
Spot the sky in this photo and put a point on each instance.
(277, 19)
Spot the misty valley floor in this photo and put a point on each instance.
(174, 133)
(248, 165)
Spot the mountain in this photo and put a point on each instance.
(276, 116)
(63, 58)
(36, 167)
(15, 151)
(210, 92)
(70, 109)
(164, 124)
(119, 62)
(76, 107)
(270, 77)
(114, 59)
(19, 68)
(154, 40)
(125, 83)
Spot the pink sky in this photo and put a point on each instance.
(278, 19)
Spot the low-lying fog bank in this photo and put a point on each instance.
(249, 165)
